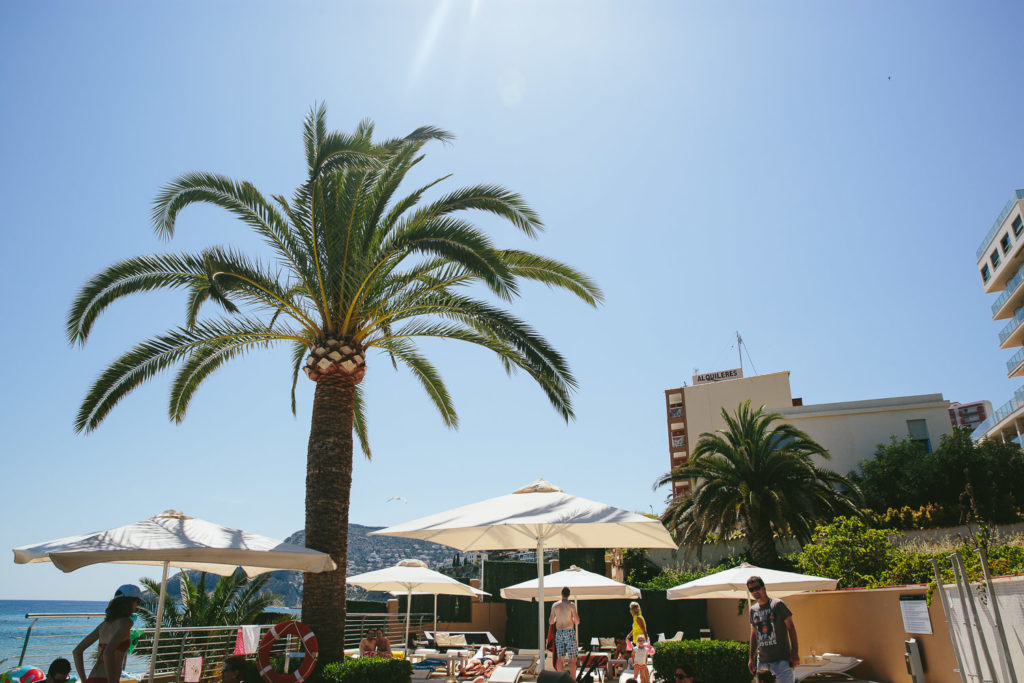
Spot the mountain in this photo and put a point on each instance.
(365, 553)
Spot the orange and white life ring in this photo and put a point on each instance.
(305, 636)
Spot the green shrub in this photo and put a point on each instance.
(708, 661)
(849, 551)
(367, 670)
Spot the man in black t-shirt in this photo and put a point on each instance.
(773, 643)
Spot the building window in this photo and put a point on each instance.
(1005, 243)
(1018, 226)
(985, 273)
(995, 258)
(918, 432)
(678, 441)
(675, 410)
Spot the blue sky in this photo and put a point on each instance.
(815, 175)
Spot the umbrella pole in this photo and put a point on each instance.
(159, 621)
(541, 644)
(408, 616)
(435, 612)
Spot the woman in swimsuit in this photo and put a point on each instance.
(114, 636)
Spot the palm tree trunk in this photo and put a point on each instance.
(328, 485)
(762, 545)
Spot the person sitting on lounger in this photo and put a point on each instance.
(383, 645)
(483, 664)
(368, 645)
(617, 658)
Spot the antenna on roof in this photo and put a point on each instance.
(740, 348)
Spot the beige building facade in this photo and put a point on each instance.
(1001, 268)
(850, 431)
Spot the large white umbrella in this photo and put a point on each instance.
(582, 584)
(732, 583)
(537, 516)
(172, 539)
(410, 576)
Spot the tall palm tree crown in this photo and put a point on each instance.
(757, 477)
(356, 267)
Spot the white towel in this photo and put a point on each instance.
(247, 640)
(192, 670)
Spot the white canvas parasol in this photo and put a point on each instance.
(537, 516)
(732, 583)
(410, 577)
(172, 539)
(583, 585)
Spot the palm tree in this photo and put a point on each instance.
(356, 267)
(234, 599)
(759, 478)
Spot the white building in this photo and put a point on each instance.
(850, 431)
(1000, 258)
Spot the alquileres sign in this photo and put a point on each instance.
(708, 377)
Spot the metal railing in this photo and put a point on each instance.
(48, 636)
(1019, 194)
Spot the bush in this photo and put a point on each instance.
(849, 551)
(367, 670)
(709, 661)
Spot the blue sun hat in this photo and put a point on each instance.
(129, 590)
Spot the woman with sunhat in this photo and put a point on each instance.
(114, 636)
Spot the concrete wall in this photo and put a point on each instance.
(486, 616)
(704, 402)
(859, 623)
(851, 431)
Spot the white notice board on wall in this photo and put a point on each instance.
(914, 609)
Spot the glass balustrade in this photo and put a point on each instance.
(1011, 287)
(1019, 194)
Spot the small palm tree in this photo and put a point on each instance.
(357, 268)
(758, 478)
(234, 599)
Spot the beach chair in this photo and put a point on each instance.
(506, 674)
(832, 665)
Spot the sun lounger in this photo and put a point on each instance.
(506, 674)
(827, 664)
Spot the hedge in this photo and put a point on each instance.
(708, 661)
(368, 670)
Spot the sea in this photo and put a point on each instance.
(50, 638)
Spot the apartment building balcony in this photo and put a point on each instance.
(1013, 333)
(1011, 299)
(1015, 366)
(1001, 252)
(1006, 423)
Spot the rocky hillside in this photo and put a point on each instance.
(365, 553)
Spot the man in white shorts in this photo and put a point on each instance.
(565, 619)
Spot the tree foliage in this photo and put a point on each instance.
(234, 599)
(757, 475)
(352, 265)
(903, 475)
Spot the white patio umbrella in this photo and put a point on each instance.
(537, 516)
(582, 584)
(172, 539)
(410, 576)
(732, 583)
(476, 593)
